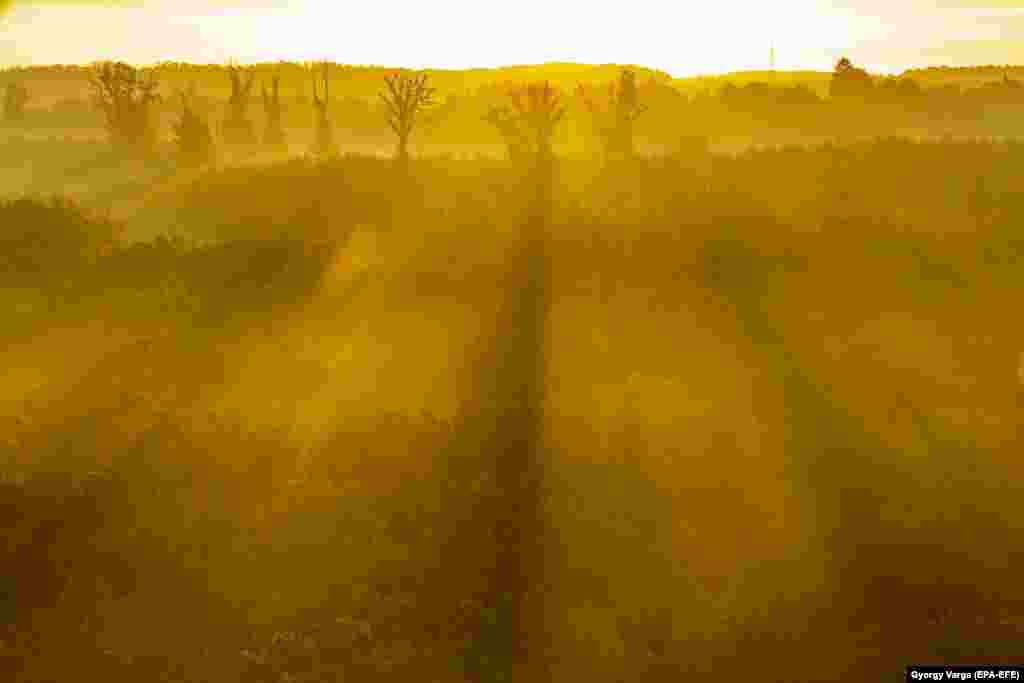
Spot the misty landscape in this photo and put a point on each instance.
(313, 372)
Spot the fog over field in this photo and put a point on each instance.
(574, 370)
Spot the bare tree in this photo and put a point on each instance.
(615, 116)
(538, 109)
(15, 98)
(517, 142)
(192, 133)
(323, 143)
(528, 127)
(407, 97)
(125, 95)
(237, 127)
(273, 135)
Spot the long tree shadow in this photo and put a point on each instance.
(497, 549)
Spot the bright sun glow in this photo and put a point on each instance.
(681, 38)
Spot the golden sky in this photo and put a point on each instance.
(683, 37)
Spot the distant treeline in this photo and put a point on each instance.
(768, 106)
(346, 79)
(976, 71)
(362, 80)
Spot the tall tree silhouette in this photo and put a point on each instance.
(273, 135)
(539, 111)
(528, 125)
(125, 95)
(517, 142)
(406, 97)
(237, 127)
(323, 143)
(192, 132)
(614, 116)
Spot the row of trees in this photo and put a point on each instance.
(127, 96)
(526, 122)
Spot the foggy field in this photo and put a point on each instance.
(711, 405)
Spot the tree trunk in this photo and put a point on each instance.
(403, 149)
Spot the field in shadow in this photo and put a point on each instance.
(312, 422)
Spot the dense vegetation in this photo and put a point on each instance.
(268, 424)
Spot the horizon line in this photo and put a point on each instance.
(694, 76)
